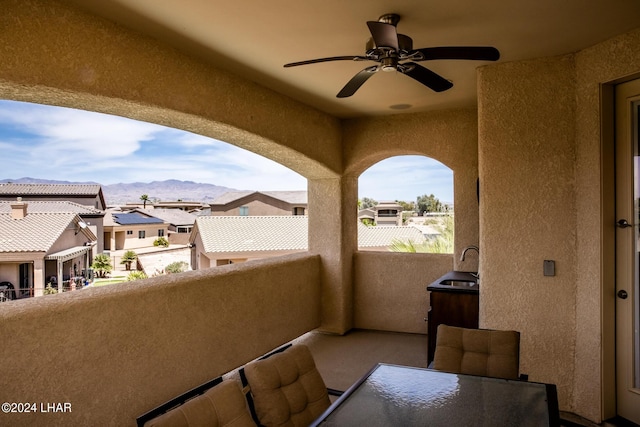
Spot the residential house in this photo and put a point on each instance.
(384, 213)
(193, 207)
(536, 129)
(132, 230)
(367, 216)
(221, 240)
(42, 247)
(183, 205)
(260, 203)
(86, 200)
(180, 223)
(84, 194)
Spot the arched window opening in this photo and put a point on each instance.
(122, 193)
(405, 204)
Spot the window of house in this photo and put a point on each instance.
(423, 188)
(129, 232)
(244, 210)
(298, 211)
(184, 229)
(160, 233)
(141, 234)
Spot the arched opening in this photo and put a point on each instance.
(406, 204)
(153, 183)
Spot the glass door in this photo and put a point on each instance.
(628, 250)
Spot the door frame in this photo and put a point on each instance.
(608, 246)
(607, 252)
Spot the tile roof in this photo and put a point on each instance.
(230, 196)
(292, 197)
(52, 206)
(36, 232)
(383, 236)
(272, 233)
(172, 216)
(253, 233)
(9, 189)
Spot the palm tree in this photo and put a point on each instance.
(145, 199)
(127, 258)
(101, 265)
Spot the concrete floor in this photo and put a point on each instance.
(343, 359)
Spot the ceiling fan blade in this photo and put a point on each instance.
(384, 35)
(425, 76)
(356, 81)
(475, 53)
(332, 58)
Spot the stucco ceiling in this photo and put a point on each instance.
(254, 39)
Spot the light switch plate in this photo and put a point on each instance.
(549, 267)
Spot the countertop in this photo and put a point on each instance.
(463, 276)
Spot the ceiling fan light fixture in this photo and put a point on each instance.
(389, 64)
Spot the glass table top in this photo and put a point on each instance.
(405, 396)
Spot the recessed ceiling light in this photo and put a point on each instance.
(400, 106)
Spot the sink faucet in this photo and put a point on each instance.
(464, 251)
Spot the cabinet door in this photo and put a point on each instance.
(453, 309)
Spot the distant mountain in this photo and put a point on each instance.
(166, 191)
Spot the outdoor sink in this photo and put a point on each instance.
(456, 281)
(459, 283)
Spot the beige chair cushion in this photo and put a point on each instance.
(477, 352)
(287, 388)
(222, 405)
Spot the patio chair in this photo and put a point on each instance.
(285, 387)
(485, 352)
(216, 403)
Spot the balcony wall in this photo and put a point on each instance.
(545, 119)
(390, 289)
(117, 351)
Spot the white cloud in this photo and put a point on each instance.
(73, 145)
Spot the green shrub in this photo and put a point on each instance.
(176, 267)
(136, 275)
(161, 241)
(48, 290)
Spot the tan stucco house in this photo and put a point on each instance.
(222, 240)
(180, 223)
(132, 229)
(42, 247)
(254, 203)
(538, 133)
(85, 199)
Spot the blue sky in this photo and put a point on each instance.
(47, 142)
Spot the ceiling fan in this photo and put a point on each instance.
(394, 52)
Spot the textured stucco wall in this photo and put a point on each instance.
(611, 61)
(117, 351)
(541, 134)
(52, 53)
(390, 290)
(447, 136)
(528, 212)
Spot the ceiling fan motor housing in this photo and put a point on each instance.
(394, 52)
